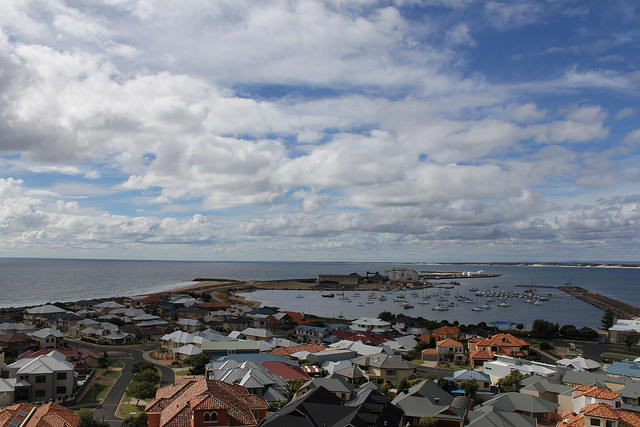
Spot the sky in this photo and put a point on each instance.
(334, 130)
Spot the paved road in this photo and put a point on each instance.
(129, 355)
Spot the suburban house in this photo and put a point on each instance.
(504, 365)
(502, 344)
(305, 334)
(621, 328)
(384, 368)
(450, 350)
(544, 411)
(584, 395)
(44, 378)
(205, 402)
(426, 399)
(319, 407)
(37, 316)
(48, 338)
(625, 368)
(14, 344)
(477, 357)
(548, 389)
(600, 414)
(370, 324)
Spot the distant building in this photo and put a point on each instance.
(403, 275)
(621, 328)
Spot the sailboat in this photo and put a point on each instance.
(299, 294)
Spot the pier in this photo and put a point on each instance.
(621, 309)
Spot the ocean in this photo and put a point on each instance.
(27, 282)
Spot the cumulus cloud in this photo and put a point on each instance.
(356, 124)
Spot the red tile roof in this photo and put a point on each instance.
(297, 317)
(599, 410)
(53, 415)
(479, 355)
(177, 403)
(446, 330)
(596, 392)
(365, 337)
(286, 371)
(449, 343)
(287, 351)
(48, 415)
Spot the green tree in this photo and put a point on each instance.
(104, 360)
(293, 387)
(470, 388)
(142, 366)
(569, 332)
(508, 383)
(404, 384)
(447, 385)
(147, 376)
(387, 316)
(136, 421)
(141, 390)
(608, 318)
(588, 334)
(428, 422)
(544, 329)
(88, 420)
(197, 362)
(630, 339)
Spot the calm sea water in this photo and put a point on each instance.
(26, 282)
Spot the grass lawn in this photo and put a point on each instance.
(116, 363)
(112, 374)
(127, 409)
(416, 361)
(83, 410)
(619, 356)
(99, 392)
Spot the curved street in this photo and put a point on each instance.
(129, 355)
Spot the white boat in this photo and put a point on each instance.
(406, 305)
(477, 309)
(440, 308)
(382, 298)
(504, 304)
(360, 304)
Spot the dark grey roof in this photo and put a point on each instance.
(320, 407)
(490, 416)
(512, 402)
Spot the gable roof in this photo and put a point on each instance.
(177, 403)
(446, 330)
(513, 401)
(448, 342)
(596, 392)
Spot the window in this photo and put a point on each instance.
(39, 393)
(210, 417)
(61, 389)
(41, 379)
(391, 372)
(618, 403)
(594, 422)
(61, 375)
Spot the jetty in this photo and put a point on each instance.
(622, 310)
